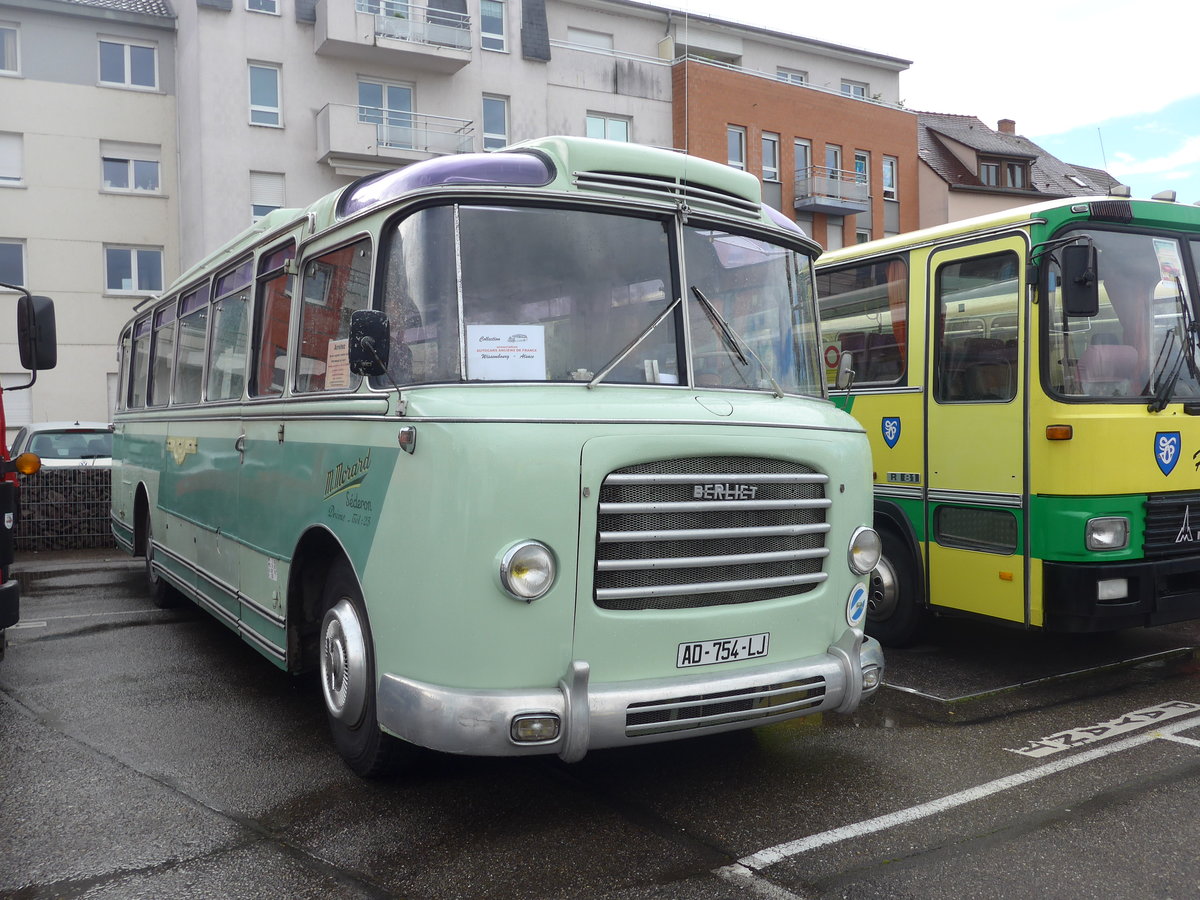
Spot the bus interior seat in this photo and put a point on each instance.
(855, 343)
(883, 358)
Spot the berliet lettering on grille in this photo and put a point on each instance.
(724, 491)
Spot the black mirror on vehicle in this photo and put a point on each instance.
(1081, 287)
(36, 335)
(369, 342)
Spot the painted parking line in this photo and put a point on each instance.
(744, 871)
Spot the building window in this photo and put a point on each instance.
(264, 95)
(263, 6)
(791, 76)
(1014, 175)
(856, 89)
(132, 270)
(862, 235)
(495, 122)
(833, 160)
(130, 167)
(128, 65)
(12, 262)
(389, 108)
(11, 158)
(266, 193)
(770, 157)
(803, 152)
(595, 40)
(735, 140)
(609, 128)
(890, 169)
(989, 174)
(491, 25)
(10, 61)
(862, 167)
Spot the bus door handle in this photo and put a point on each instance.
(240, 446)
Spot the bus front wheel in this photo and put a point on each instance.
(894, 611)
(348, 680)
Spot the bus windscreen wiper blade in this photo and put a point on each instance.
(616, 360)
(733, 339)
(1164, 386)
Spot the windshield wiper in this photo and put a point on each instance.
(1164, 389)
(616, 360)
(733, 339)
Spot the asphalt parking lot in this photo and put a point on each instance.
(149, 753)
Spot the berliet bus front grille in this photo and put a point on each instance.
(709, 531)
(754, 704)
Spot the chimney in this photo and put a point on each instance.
(1006, 126)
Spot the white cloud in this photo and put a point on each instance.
(1172, 165)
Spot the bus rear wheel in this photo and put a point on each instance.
(894, 611)
(348, 680)
(161, 594)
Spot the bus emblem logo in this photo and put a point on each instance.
(1185, 530)
(1166, 450)
(891, 430)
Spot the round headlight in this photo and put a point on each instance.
(527, 570)
(865, 549)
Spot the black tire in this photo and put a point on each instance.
(895, 612)
(348, 680)
(162, 594)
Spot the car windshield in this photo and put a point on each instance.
(1140, 346)
(71, 444)
(553, 294)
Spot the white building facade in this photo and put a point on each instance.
(257, 104)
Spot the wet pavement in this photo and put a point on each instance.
(149, 753)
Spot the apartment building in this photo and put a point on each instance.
(88, 196)
(258, 104)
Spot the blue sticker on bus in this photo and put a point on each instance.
(1166, 450)
(891, 430)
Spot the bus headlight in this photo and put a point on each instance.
(527, 570)
(1110, 533)
(865, 548)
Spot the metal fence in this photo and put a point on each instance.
(65, 509)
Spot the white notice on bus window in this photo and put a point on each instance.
(506, 352)
(337, 365)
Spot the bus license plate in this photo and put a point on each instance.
(705, 653)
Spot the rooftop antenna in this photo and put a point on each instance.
(1103, 155)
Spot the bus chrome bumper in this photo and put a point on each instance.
(594, 716)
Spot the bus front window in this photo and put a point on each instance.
(1139, 346)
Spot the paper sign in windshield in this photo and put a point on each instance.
(506, 352)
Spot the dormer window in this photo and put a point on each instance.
(1008, 173)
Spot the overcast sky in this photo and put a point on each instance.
(1110, 84)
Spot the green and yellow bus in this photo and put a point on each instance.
(1030, 384)
(526, 452)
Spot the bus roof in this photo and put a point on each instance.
(1098, 208)
(557, 164)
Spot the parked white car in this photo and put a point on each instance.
(66, 444)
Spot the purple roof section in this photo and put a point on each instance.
(516, 169)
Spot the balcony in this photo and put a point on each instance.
(834, 192)
(392, 32)
(356, 140)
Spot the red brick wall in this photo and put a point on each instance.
(709, 98)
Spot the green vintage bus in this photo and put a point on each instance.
(527, 452)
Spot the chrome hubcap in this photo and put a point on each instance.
(883, 594)
(343, 663)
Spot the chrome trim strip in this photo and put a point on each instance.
(711, 506)
(702, 534)
(976, 498)
(759, 716)
(765, 478)
(899, 490)
(709, 587)
(693, 562)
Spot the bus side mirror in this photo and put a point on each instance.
(36, 335)
(1081, 288)
(845, 374)
(369, 342)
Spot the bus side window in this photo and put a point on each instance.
(866, 307)
(140, 368)
(335, 285)
(193, 327)
(272, 325)
(972, 366)
(163, 354)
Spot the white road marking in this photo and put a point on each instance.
(1102, 731)
(771, 855)
(1181, 740)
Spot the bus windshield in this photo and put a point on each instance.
(546, 294)
(1140, 346)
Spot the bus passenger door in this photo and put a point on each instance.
(975, 445)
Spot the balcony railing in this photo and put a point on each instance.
(356, 139)
(401, 21)
(832, 191)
